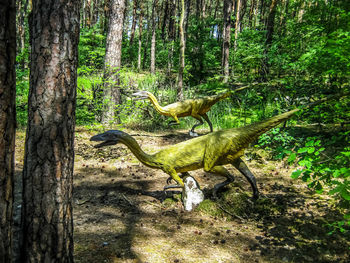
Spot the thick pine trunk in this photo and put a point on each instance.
(111, 91)
(7, 124)
(49, 148)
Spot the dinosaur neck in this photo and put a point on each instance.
(135, 148)
(155, 103)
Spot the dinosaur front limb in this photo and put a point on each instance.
(173, 174)
(243, 168)
(182, 175)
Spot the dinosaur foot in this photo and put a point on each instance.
(172, 123)
(172, 186)
(193, 134)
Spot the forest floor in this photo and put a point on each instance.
(121, 213)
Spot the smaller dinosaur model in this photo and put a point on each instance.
(197, 108)
(208, 152)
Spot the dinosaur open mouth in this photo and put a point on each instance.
(105, 143)
(140, 95)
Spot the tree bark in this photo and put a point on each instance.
(133, 25)
(227, 38)
(49, 147)
(140, 37)
(238, 22)
(7, 124)
(111, 91)
(171, 34)
(153, 41)
(270, 22)
(180, 95)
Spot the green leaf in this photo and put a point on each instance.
(303, 150)
(296, 174)
(311, 150)
(345, 194)
(292, 157)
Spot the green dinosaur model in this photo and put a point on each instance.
(209, 152)
(197, 108)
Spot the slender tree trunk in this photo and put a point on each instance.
(165, 18)
(7, 124)
(270, 22)
(238, 22)
(283, 18)
(171, 35)
(133, 26)
(180, 95)
(49, 149)
(153, 41)
(228, 4)
(147, 38)
(140, 37)
(111, 91)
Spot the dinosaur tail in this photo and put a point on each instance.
(222, 96)
(256, 129)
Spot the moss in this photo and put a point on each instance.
(171, 201)
(210, 208)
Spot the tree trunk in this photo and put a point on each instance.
(133, 26)
(140, 37)
(7, 124)
(171, 35)
(111, 91)
(165, 18)
(180, 95)
(238, 22)
(147, 37)
(227, 38)
(240, 11)
(270, 22)
(153, 41)
(49, 149)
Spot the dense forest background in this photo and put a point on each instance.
(286, 52)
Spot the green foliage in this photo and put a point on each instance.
(327, 172)
(22, 90)
(92, 46)
(278, 141)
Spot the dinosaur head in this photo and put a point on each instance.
(110, 137)
(141, 95)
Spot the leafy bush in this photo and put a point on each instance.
(327, 171)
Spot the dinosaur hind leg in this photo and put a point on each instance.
(205, 116)
(220, 170)
(243, 168)
(199, 118)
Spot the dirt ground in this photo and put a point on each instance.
(121, 213)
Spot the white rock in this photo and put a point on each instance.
(192, 195)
